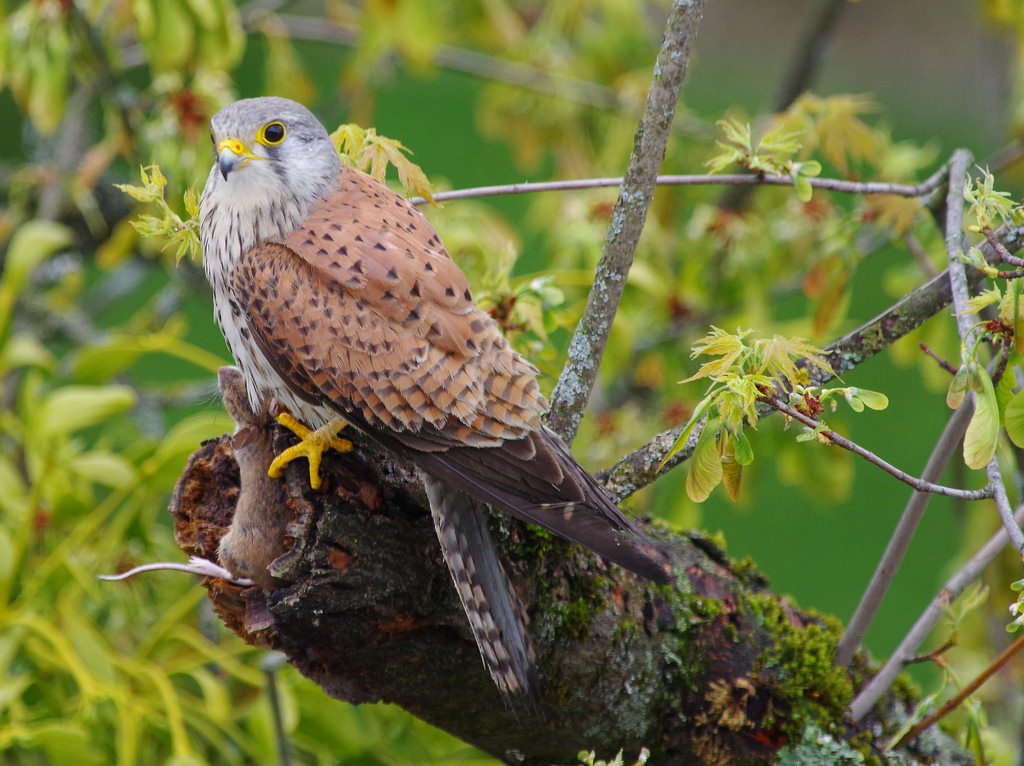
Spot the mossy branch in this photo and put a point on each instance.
(717, 671)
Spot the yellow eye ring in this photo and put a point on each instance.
(272, 134)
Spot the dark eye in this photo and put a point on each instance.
(273, 133)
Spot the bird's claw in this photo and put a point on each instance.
(312, 446)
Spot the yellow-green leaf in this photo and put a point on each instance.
(705, 469)
(957, 388)
(983, 430)
(684, 435)
(13, 492)
(33, 242)
(104, 468)
(1013, 418)
(72, 408)
(23, 350)
(804, 190)
(744, 452)
(874, 400)
(8, 558)
(732, 471)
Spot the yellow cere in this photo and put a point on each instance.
(235, 146)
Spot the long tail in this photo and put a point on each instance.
(496, 615)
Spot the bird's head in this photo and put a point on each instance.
(271, 148)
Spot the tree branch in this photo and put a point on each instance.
(706, 179)
(716, 671)
(628, 216)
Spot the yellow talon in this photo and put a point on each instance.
(312, 446)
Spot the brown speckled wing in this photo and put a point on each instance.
(362, 310)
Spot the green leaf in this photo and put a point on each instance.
(32, 243)
(23, 350)
(94, 364)
(1013, 418)
(13, 492)
(874, 400)
(72, 408)
(732, 471)
(744, 452)
(705, 469)
(684, 435)
(958, 387)
(65, 743)
(804, 190)
(810, 168)
(1017, 318)
(8, 559)
(185, 760)
(104, 468)
(983, 430)
(1004, 388)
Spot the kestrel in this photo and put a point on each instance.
(338, 299)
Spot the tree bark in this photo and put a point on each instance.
(717, 670)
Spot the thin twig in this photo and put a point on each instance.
(516, 73)
(953, 702)
(1005, 156)
(875, 688)
(938, 359)
(920, 256)
(809, 49)
(706, 179)
(841, 441)
(628, 216)
(1003, 254)
(862, 617)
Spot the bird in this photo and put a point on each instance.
(340, 303)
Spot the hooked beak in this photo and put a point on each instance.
(232, 153)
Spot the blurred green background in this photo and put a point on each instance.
(132, 333)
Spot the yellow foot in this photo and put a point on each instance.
(312, 446)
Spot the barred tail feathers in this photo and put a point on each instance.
(496, 616)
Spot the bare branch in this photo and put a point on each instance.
(628, 217)
(706, 179)
(920, 256)
(862, 617)
(954, 232)
(873, 691)
(841, 441)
